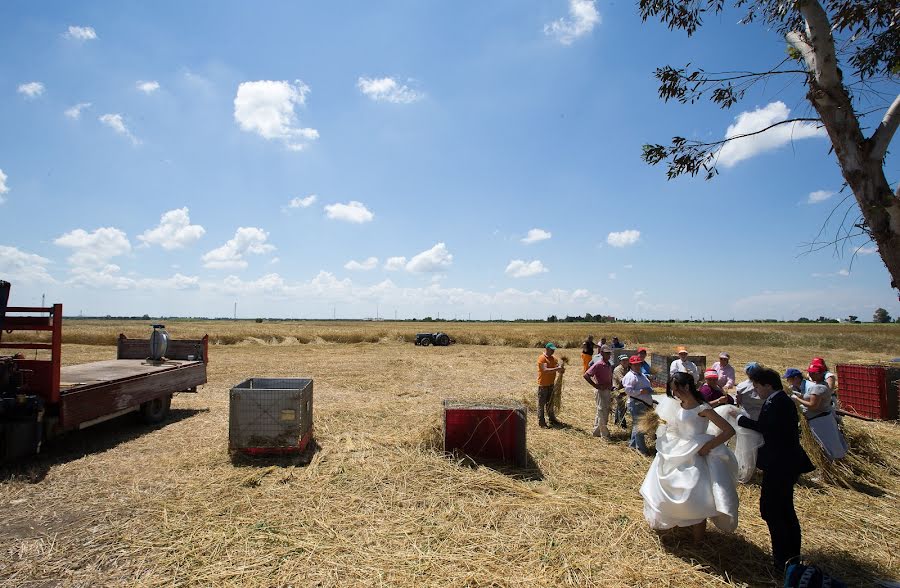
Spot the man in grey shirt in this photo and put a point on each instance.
(746, 396)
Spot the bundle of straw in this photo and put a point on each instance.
(858, 469)
(556, 397)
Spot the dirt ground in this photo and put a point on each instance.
(373, 505)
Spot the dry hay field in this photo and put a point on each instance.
(376, 504)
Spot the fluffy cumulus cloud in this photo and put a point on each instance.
(581, 20)
(819, 196)
(736, 151)
(525, 269)
(367, 264)
(623, 238)
(266, 108)
(352, 212)
(535, 235)
(863, 250)
(20, 266)
(174, 231)
(117, 123)
(31, 89)
(75, 112)
(433, 260)
(4, 189)
(394, 264)
(247, 240)
(94, 249)
(387, 90)
(304, 202)
(148, 87)
(80, 33)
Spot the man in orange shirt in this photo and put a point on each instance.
(548, 366)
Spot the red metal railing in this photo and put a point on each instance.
(44, 377)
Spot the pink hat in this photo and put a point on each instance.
(711, 374)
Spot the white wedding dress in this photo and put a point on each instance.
(683, 488)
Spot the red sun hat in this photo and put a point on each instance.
(711, 374)
(635, 359)
(815, 367)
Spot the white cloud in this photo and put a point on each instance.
(859, 251)
(628, 266)
(247, 240)
(80, 33)
(19, 266)
(433, 260)
(117, 123)
(582, 19)
(525, 269)
(623, 238)
(4, 189)
(612, 275)
(738, 150)
(266, 108)
(305, 202)
(535, 235)
(365, 265)
(819, 196)
(174, 231)
(841, 273)
(387, 90)
(95, 249)
(352, 212)
(31, 89)
(75, 112)
(394, 264)
(147, 87)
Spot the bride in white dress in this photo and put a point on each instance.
(693, 476)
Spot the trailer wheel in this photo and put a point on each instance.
(156, 410)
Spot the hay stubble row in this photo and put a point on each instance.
(377, 505)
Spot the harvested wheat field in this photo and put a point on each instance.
(377, 504)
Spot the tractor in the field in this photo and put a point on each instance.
(426, 339)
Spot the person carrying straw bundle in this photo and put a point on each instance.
(548, 367)
(814, 399)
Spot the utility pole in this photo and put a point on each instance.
(235, 310)
(333, 312)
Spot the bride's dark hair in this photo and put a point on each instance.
(684, 379)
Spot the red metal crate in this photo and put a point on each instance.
(490, 431)
(868, 390)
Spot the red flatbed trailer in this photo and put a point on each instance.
(40, 399)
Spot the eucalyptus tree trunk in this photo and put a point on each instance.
(861, 159)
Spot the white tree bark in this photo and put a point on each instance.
(882, 136)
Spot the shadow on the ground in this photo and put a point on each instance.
(736, 560)
(304, 458)
(529, 472)
(96, 439)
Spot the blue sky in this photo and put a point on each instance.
(304, 159)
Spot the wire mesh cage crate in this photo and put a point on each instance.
(270, 415)
(492, 431)
(871, 391)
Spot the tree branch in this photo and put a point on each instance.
(798, 42)
(771, 126)
(882, 136)
(819, 39)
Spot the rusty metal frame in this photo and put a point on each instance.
(46, 370)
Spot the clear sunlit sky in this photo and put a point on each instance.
(420, 158)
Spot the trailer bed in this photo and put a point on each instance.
(94, 391)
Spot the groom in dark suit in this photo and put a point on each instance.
(782, 460)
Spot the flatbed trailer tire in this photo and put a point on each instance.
(156, 410)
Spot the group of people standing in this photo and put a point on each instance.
(694, 474)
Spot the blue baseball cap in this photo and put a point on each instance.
(751, 367)
(792, 373)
